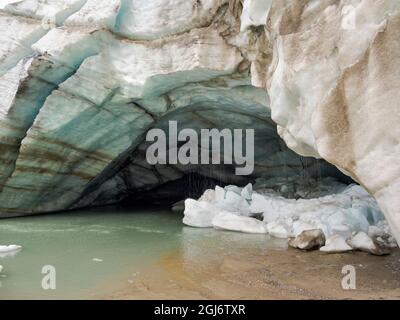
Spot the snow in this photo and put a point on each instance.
(339, 211)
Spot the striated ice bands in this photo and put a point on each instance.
(82, 82)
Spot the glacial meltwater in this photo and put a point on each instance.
(97, 251)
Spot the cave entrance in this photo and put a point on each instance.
(170, 183)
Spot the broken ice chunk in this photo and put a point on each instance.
(301, 226)
(341, 230)
(374, 232)
(219, 194)
(336, 244)
(234, 189)
(247, 192)
(361, 241)
(209, 196)
(199, 213)
(259, 204)
(279, 229)
(9, 250)
(338, 211)
(234, 202)
(351, 217)
(234, 222)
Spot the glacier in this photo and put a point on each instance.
(82, 81)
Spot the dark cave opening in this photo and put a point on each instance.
(193, 185)
(136, 182)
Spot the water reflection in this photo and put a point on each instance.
(97, 251)
(199, 245)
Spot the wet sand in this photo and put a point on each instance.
(263, 273)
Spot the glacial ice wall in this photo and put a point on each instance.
(333, 81)
(82, 81)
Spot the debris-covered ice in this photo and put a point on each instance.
(361, 241)
(309, 240)
(348, 217)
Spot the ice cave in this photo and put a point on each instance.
(82, 82)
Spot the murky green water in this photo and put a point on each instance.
(95, 251)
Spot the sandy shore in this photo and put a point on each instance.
(264, 274)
